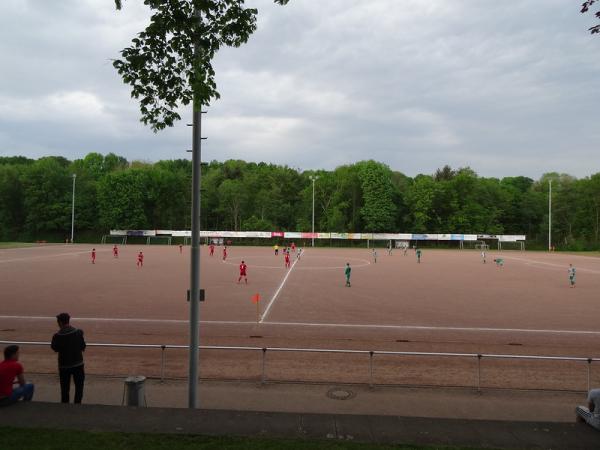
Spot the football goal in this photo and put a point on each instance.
(110, 239)
(158, 240)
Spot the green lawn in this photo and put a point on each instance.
(43, 439)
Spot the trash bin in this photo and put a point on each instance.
(134, 393)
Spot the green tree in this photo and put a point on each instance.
(170, 62)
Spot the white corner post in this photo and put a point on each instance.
(73, 210)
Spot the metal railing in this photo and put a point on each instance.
(371, 353)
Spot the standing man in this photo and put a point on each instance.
(287, 260)
(347, 272)
(93, 256)
(10, 369)
(115, 251)
(243, 268)
(276, 248)
(68, 342)
(211, 248)
(224, 253)
(140, 259)
(180, 248)
(572, 275)
(591, 414)
(374, 255)
(483, 256)
(418, 255)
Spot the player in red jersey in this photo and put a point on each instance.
(115, 251)
(140, 259)
(212, 249)
(293, 247)
(243, 268)
(287, 260)
(93, 256)
(224, 253)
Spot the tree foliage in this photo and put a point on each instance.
(170, 62)
(111, 193)
(585, 7)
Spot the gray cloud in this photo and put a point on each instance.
(507, 88)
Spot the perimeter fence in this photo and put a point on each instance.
(372, 357)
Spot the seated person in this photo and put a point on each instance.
(10, 369)
(591, 414)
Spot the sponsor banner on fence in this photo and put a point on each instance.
(404, 236)
(368, 236)
(425, 237)
(118, 232)
(487, 236)
(181, 233)
(354, 236)
(470, 237)
(309, 235)
(457, 237)
(444, 237)
(339, 235)
(511, 237)
(384, 236)
(276, 233)
(324, 235)
(164, 232)
(292, 235)
(258, 234)
(141, 233)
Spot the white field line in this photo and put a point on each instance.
(266, 312)
(317, 325)
(558, 266)
(49, 256)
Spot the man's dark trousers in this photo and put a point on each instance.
(78, 375)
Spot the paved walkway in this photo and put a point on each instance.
(496, 419)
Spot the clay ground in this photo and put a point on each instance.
(451, 302)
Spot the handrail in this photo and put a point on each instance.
(371, 354)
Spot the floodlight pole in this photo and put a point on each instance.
(313, 179)
(73, 209)
(549, 215)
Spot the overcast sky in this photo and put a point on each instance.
(506, 87)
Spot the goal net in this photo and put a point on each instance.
(110, 239)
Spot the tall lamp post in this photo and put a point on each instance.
(313, 178)
(73, 209)
(549, 215)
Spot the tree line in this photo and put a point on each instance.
(367, 196)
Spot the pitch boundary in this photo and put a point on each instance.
(316, 325)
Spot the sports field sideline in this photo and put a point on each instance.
(450, 302)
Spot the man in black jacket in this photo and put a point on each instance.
(68, 342)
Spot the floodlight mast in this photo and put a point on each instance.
(313, 178)
(73, 210)
(549, 215)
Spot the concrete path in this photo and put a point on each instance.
(462, 417)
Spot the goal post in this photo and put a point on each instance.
(159, 240)
(114, 239)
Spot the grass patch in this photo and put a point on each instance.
(45, 439)
(16, 244)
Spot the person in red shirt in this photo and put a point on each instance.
(93, 256)
(243, 268)
(293, 247)
(115, 251)
(287, 260)
(212, 249)
(224, 253)
(10, 369)
(140, 259)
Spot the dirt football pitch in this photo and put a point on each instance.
(450, 302)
